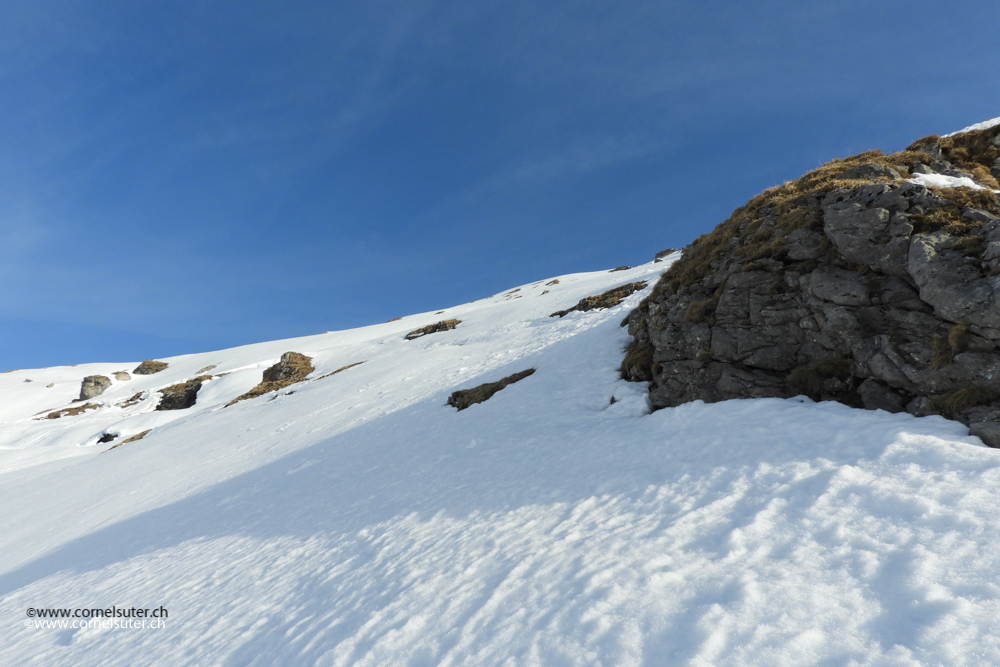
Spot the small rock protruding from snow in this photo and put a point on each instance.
(149, 367)
(443, 325)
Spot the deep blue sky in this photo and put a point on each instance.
(185, 176)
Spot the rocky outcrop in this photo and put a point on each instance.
(852, 284)
(291, 368)
(608, 299)
(443, 325)
(149, 367)
(181, 396)
(93, 385)
(463, 398)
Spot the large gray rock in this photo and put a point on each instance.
(93, 385)
(884, 295)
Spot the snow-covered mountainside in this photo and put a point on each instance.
(356, 518)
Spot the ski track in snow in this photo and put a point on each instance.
(360, 521)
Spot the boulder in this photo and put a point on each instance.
(93, 385)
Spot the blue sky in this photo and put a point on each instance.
(185, 176)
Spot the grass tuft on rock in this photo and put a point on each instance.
(463, 398)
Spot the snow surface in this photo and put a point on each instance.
(358, 520)
(985, 125)
(942, 181)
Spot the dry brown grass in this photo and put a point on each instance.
(443, 325)
(972, 152)
(137, 436)
(463, 398)
(637, 366)
(74, 411)
(293, 367)
(395, 319)
(135, 398)
(552, 282)
(342, 368)
(149, 367)
(608, 299)
(945, 348)
(954, 403)
(620, 268)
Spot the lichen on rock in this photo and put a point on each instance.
(850, 284)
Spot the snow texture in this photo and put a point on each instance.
(985, 125)
(942, 181)
(358, 520)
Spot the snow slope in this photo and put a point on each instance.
(356, 519)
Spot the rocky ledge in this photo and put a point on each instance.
(868, 281)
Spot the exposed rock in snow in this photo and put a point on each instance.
(149, 367)
(93, 385)
(848, 284)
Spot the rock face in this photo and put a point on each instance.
(851, 284)
(93, 385)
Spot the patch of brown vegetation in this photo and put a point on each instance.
(206, 369)
(552, 282)
(620, 268)
(443, 325)
(637, 366)
(608, 299)
(131, 401)
(149, 367)
(972, 152)
(292, 368)
(137, 436)
(342, 368)
(944, 348)
(395, 319)
(72, 412)
(463, 398)
(960, 400)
